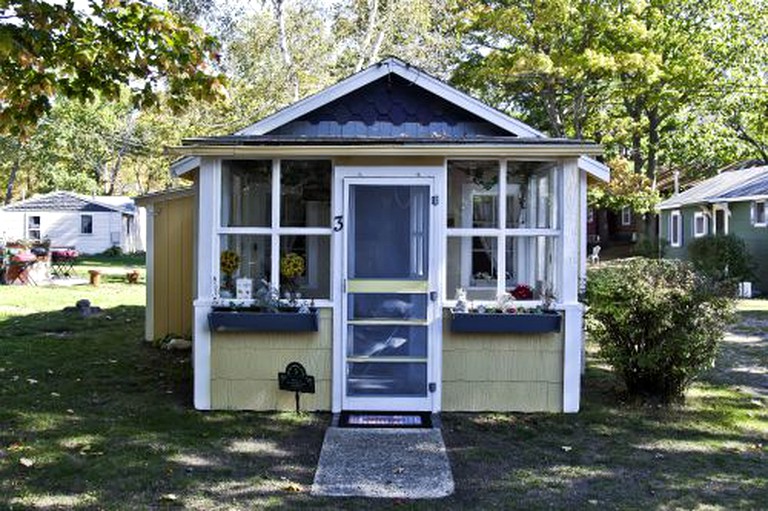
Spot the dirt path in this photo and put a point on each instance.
(743, 359)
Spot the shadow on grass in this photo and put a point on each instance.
(106, 421)
(611, 454)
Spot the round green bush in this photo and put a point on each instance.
(723, 258)
(657, 322)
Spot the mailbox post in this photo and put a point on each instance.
(295, 379)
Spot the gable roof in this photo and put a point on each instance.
(70, 201)
(398, 72)
(731, 186)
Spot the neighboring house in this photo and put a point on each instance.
(395, 189)
(732, 202)
(90, 224)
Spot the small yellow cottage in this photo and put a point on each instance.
(361, 211)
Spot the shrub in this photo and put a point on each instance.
(113, 251)
(724, 258)
(657, 322)
(651, 249)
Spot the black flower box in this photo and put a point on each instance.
(525, 323)
(249, 321)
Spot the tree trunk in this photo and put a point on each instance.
(650, 219)
(602, 227)
(285, 52)
(373, 11)
(12, 179)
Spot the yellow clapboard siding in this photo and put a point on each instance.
(173, 274)
(501, 372)
(244, 367)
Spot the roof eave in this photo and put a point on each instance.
(447, 149)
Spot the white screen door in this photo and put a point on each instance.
(388, 307)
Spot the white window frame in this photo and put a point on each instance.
(756, 221)
(703, 216)
(81, 226)
(726, 218)
(37, 228)
(626, 216)
(675, 229)
(275, 231)
(502, 232)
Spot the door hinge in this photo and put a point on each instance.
(432, 386)
(433, 296)
(435, 200)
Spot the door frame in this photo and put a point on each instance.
(389, 175)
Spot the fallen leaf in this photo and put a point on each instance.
(55, 394)
(169, 497)
(566, 448)
(31, 381)
(70, 410)
(26, 462)
(292, 487)
(398, 470)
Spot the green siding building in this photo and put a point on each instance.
(732, 202)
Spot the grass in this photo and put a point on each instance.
(92, 417)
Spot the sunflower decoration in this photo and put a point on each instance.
(229, 262)
(291, 267)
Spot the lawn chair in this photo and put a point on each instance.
(594, 257)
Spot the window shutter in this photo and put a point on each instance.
(753, 213)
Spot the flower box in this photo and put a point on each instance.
(252, 321)
(524, 323)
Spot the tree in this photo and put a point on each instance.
(49, 50)
(414, 30)
(631, 75)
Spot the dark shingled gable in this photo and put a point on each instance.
(390, 107)
(57, 201)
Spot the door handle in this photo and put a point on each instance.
(433, 296)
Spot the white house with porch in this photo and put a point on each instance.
(390, 190)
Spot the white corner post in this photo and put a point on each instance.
(570, 268)
(207, 218)
(149, 315)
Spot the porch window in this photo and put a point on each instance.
(497, 241)
(675, 229)
(700, 224)
(759, 214)
(275, 221)
(33, 227)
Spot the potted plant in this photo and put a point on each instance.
(505, 316)
(266, 313)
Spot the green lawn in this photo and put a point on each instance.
(92, 417)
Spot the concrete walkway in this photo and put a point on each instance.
(385, 463)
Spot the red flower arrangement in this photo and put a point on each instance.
(522, 292)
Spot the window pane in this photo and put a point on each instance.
(243, 256)
(473, 193)
(531, 195)
(387, 306)
(531, 263)
(472, 264)
(305, 265)
(246, 193)
(305, 193)
(387, 379)
(389, 236)
(760, 212)
(387, 341)
(86, 224)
